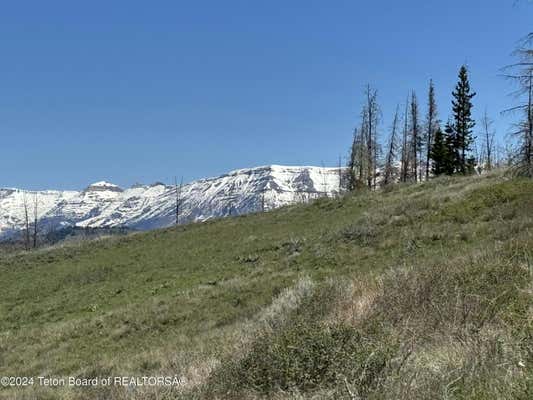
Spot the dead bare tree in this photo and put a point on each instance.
(363, 138)
(26, 222)
(354, 168)
(231, 207)
(432, 124)
(416, 142)
(324, 180)
(373, 117)
(339, 170)
(35, 219)
(405, 160)
(521, 73)
(178, 198)
(488, 136)
(301, 197)
(391, 152)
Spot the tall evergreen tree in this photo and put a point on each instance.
(463, 122)
(439, 153)
(450, 140)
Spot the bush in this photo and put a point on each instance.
(455, 297)
(307, 357)
(305, 354)
(362, 233)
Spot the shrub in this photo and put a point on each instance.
(310, 356)
(363, 233)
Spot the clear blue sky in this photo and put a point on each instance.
(133, 91)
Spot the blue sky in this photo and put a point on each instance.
(138, 91)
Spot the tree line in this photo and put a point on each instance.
(418, 148)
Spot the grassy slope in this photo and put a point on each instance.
(179, 301)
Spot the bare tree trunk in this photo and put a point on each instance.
(324, 181)
(529, 133)
(26, 223)
(35, 220)
(415, 135)
(521, 73)
(353, 162)
(391, 151)
(369, 142)
(372, 109)
(405, 143)
(488, 135)
(178, 198)
(231, 207)
(432, 112)
(362, 150)
(339, 166)
(375, 163)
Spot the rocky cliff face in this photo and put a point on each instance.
(104, 205)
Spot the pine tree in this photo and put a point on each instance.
(463, 122)
(439, 153)
(450, 140)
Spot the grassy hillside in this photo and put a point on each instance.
(421, 291)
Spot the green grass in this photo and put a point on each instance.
(421, 291)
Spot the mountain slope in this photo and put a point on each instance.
(142, 207)
(418, 292)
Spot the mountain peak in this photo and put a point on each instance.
(103, 204)
(103, 186)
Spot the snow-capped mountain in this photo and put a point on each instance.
(142, 207)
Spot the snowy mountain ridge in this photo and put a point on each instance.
(142, 207)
